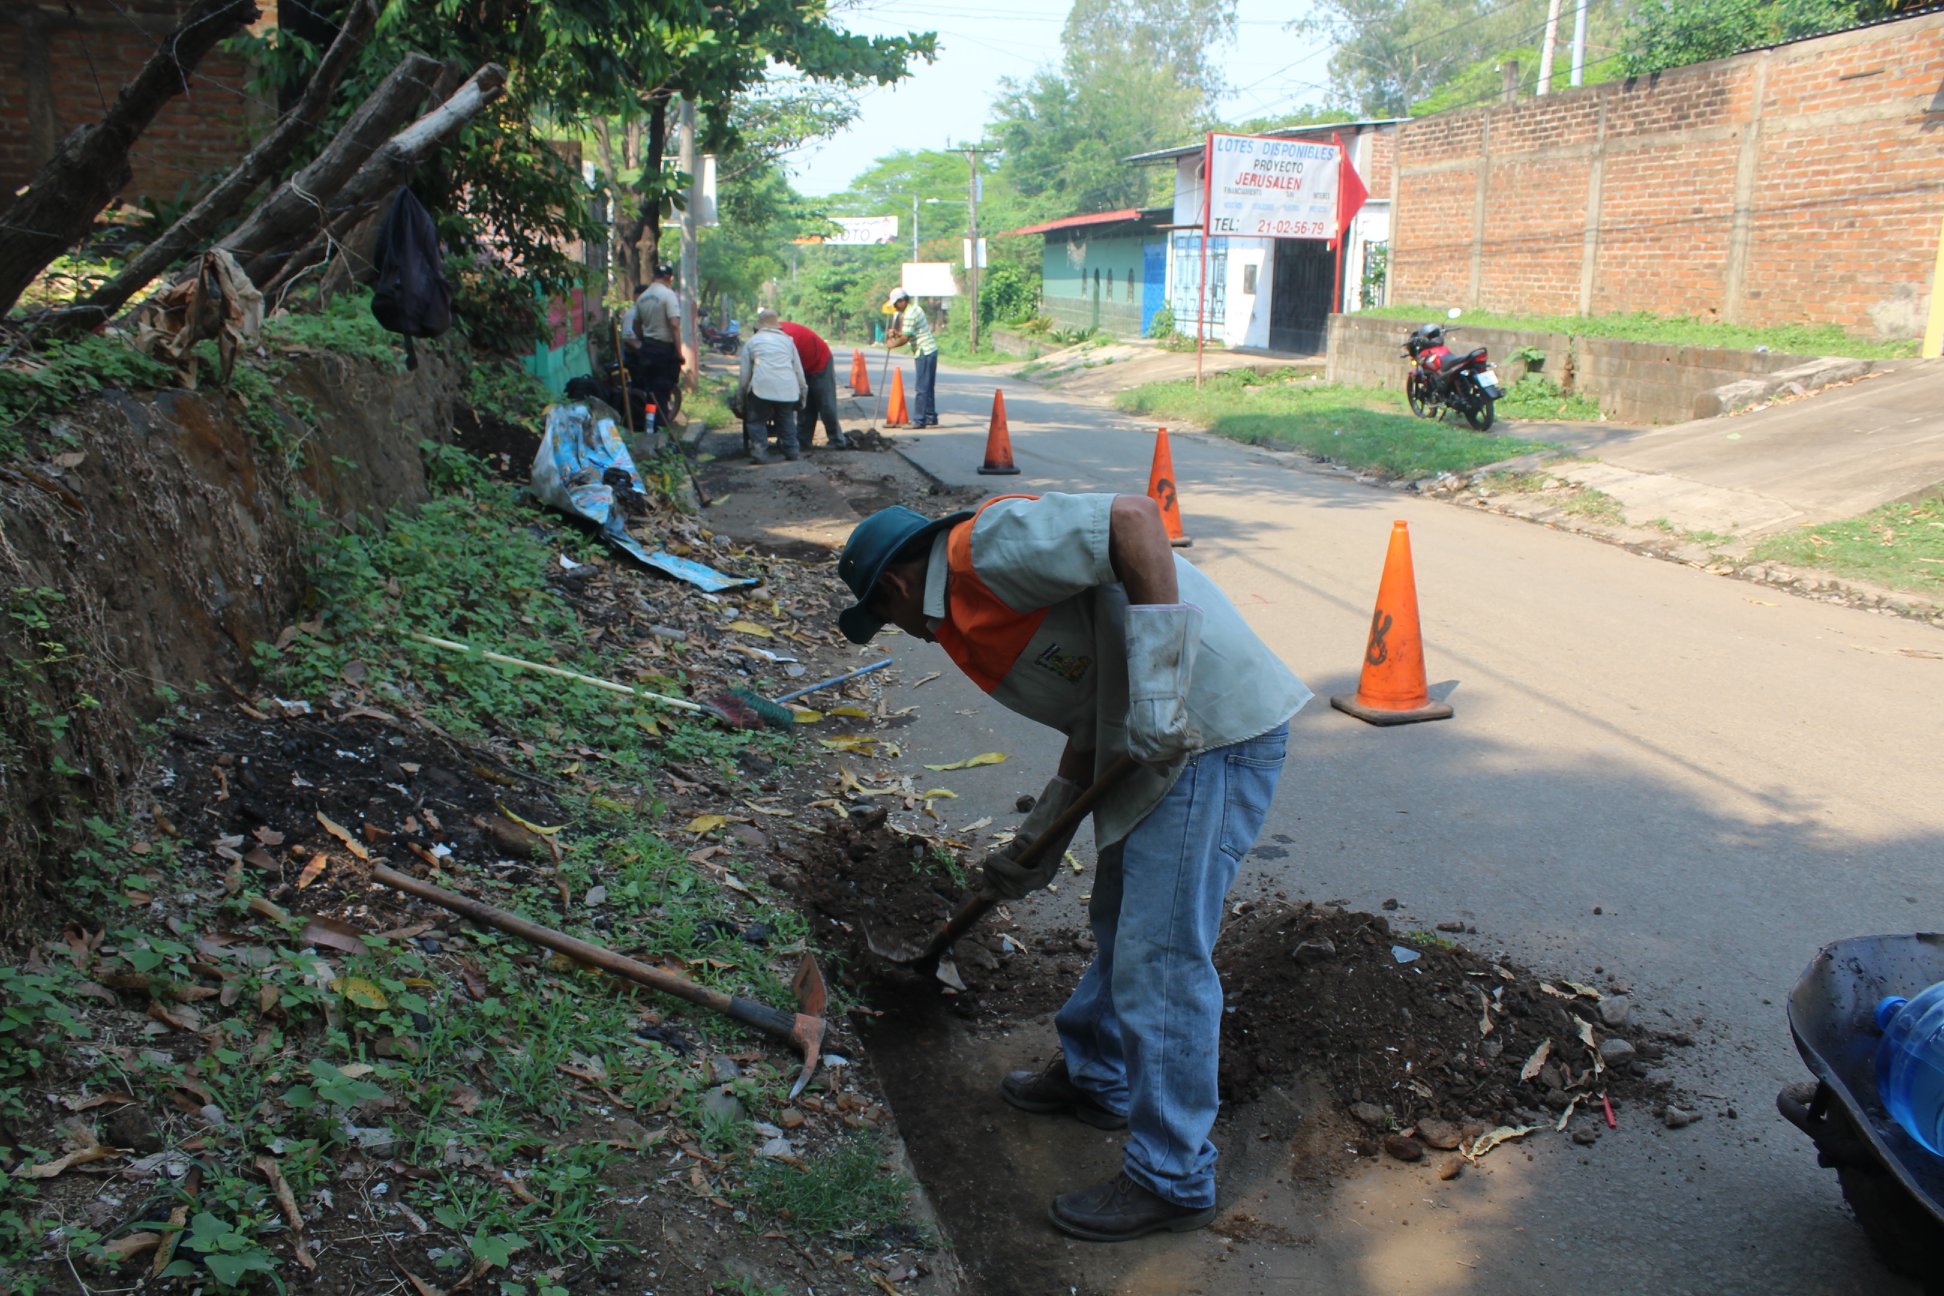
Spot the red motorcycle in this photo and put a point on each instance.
(1441, 379)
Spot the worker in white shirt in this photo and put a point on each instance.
(773, 387)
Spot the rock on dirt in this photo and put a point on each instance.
(1369, 1113)
(1404, 1147)
(1440, 1134)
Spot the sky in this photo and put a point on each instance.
(948, 101)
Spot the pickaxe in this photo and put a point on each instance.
(803, 1030)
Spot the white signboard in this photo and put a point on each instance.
(965, 246)
(705, 193)
(1271, 188)
(929, 279)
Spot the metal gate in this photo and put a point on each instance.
(1154, 282)
(1299, 298)
(1187, 283)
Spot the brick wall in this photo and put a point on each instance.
(61, 65)
(1795, 184)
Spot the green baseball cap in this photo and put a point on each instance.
(872, 545)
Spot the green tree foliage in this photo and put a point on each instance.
(760, 215)
(1134, 75)
(1392, 53)
(1674, 33)
(507, 187)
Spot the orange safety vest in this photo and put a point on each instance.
(981, 635)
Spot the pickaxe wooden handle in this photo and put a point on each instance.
(802, 1030)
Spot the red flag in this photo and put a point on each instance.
(1350, 189)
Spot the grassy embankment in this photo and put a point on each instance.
(1364, 427)
(1900, 546)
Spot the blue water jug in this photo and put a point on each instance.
(1910, 1064)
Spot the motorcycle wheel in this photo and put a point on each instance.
(1421, 403)
(1480, 414)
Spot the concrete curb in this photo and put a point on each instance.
(1818, 373)
(937, 482)
(692, 433)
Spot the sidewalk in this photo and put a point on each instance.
(1835, 454)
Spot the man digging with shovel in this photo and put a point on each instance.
(1073, 610)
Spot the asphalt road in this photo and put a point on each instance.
(1688, 781)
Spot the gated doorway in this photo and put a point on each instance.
(1299, 298)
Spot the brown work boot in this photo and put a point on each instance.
(1121, 1209)
(1052, 1091)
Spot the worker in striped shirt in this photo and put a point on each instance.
(910, 325)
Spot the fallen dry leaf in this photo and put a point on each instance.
(1537, 1060)
(970, 762)
(1485, 1142)
(750, 628)
(313, 870)
(706, 823)
(60, 1165)
(343, 834)
(331, 932)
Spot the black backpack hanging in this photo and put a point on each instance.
(410, 296)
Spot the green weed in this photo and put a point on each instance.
(1594, 506)
(507, 392)
(63, 373)
(1363, 427)
(849, 1192)
(1536, 397)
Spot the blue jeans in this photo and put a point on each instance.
(924, 401)
(1143, 1028)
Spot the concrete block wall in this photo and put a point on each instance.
(62, 65)
(1798, 184)
(1633, 382)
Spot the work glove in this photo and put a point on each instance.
(1162, 642)
(1008, 879)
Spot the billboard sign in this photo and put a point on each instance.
(1259, 187)
(858, 231)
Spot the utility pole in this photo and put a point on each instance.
(1579, 40)
(972, 191)
(1546, 50)
(914, 227)
(691, 330)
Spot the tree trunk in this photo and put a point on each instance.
(263, 162)
(691, 337)
(296, 208)
(388, 169)
(636, 237)
(91, 166)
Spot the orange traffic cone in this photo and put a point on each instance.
(896, 415)
(998, 459)
(860, 379)
(1161, 489)
(1392, 690)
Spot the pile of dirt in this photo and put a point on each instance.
(865, 883)
(1405, 1029)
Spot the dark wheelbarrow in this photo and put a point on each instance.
(1895, 1186)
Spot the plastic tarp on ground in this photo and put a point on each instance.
(575, 472)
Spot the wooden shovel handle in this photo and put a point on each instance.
(980, 903)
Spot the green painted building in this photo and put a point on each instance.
(1106, 271)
